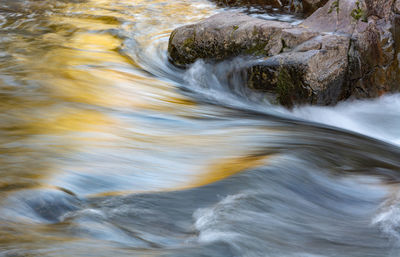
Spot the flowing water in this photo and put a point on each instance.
(106, 149)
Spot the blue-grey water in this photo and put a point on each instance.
(106, 149)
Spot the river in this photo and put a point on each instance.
(106, 149)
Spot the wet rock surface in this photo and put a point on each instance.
(313, 72)
(347, 48)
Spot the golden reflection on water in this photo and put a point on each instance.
(228, 167)
(64, 80)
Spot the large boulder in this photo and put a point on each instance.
(230, 34)
(347, 48)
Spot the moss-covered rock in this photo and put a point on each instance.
(231, 34)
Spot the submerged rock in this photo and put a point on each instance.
(347, 48)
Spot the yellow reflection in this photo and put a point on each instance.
(219, 170)
(89, 68)
(73, 120)
(77, 59)
(227, 167)
(91, 41)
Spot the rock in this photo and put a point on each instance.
(342, 50)
(231, 34)
(380, 8)
(313, 72)
(309, 6)
(397, 7)
(333, 17)
(374, 67)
